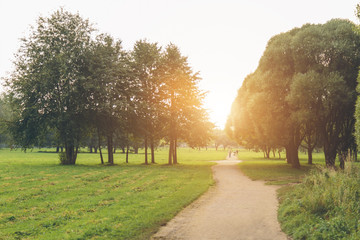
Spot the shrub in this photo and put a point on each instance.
(62, 158)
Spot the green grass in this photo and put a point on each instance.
(40, 199)
(324, 206)
(275, 171)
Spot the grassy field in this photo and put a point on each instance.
(275, 171)
(40, 199)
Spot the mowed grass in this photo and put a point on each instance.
(40, 199)
(275, 171)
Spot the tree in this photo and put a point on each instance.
(328, 54)
(48, 86)
(182, 97)
(5, 117)
(324, 98)
(295, 91)
(109, 87)
(260, 115)
(146, 61)
(220, 138)
(198, 130)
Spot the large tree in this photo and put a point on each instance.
(305, 81)
(110, 86)
(183, 100)
(146, 62)
(48, 84)
(327, 57)
(260, 114)
(325, 98)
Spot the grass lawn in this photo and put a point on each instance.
(40, 199)
(275, 171)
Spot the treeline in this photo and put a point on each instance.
(302, 93)
(80, 87)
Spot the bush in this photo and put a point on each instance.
(325, 206)
(62, 158)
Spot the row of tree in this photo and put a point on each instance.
(303, 92)
(76, 85)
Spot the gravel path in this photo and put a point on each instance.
(235, 208)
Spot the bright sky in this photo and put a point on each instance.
(223, 39)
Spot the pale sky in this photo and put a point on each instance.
(223, 39)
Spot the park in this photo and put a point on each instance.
(100, 139)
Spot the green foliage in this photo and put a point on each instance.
(110, 86)
(5, 117)
(324, 206)
(150, 109)
(62, 158)
(42, 200)
(73, 86)
(185, 117)
(222, 139)
(48, 85)
(304, 85)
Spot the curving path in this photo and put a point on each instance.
(236, 208)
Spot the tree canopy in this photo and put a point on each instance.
(305, 82)
(48, 85)
(76, 85)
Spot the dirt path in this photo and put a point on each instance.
(236, 208)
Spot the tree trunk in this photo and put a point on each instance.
(123, 149)
(267, 152)
(127, 153)
(110, 149)
(170, 152)
(172, 131)
(152, 148)
(292, 155)
(101, 156)
(310, 150)
(91, 149)
(99, 143)
(114, 149)
(292, 148)
(136, 150)
(288, 160)
(146, 150)
(70, 154)
(330, 155)
(95, 149)
(342, 158)
(355, 154)
(57, 149)
(175, 152)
